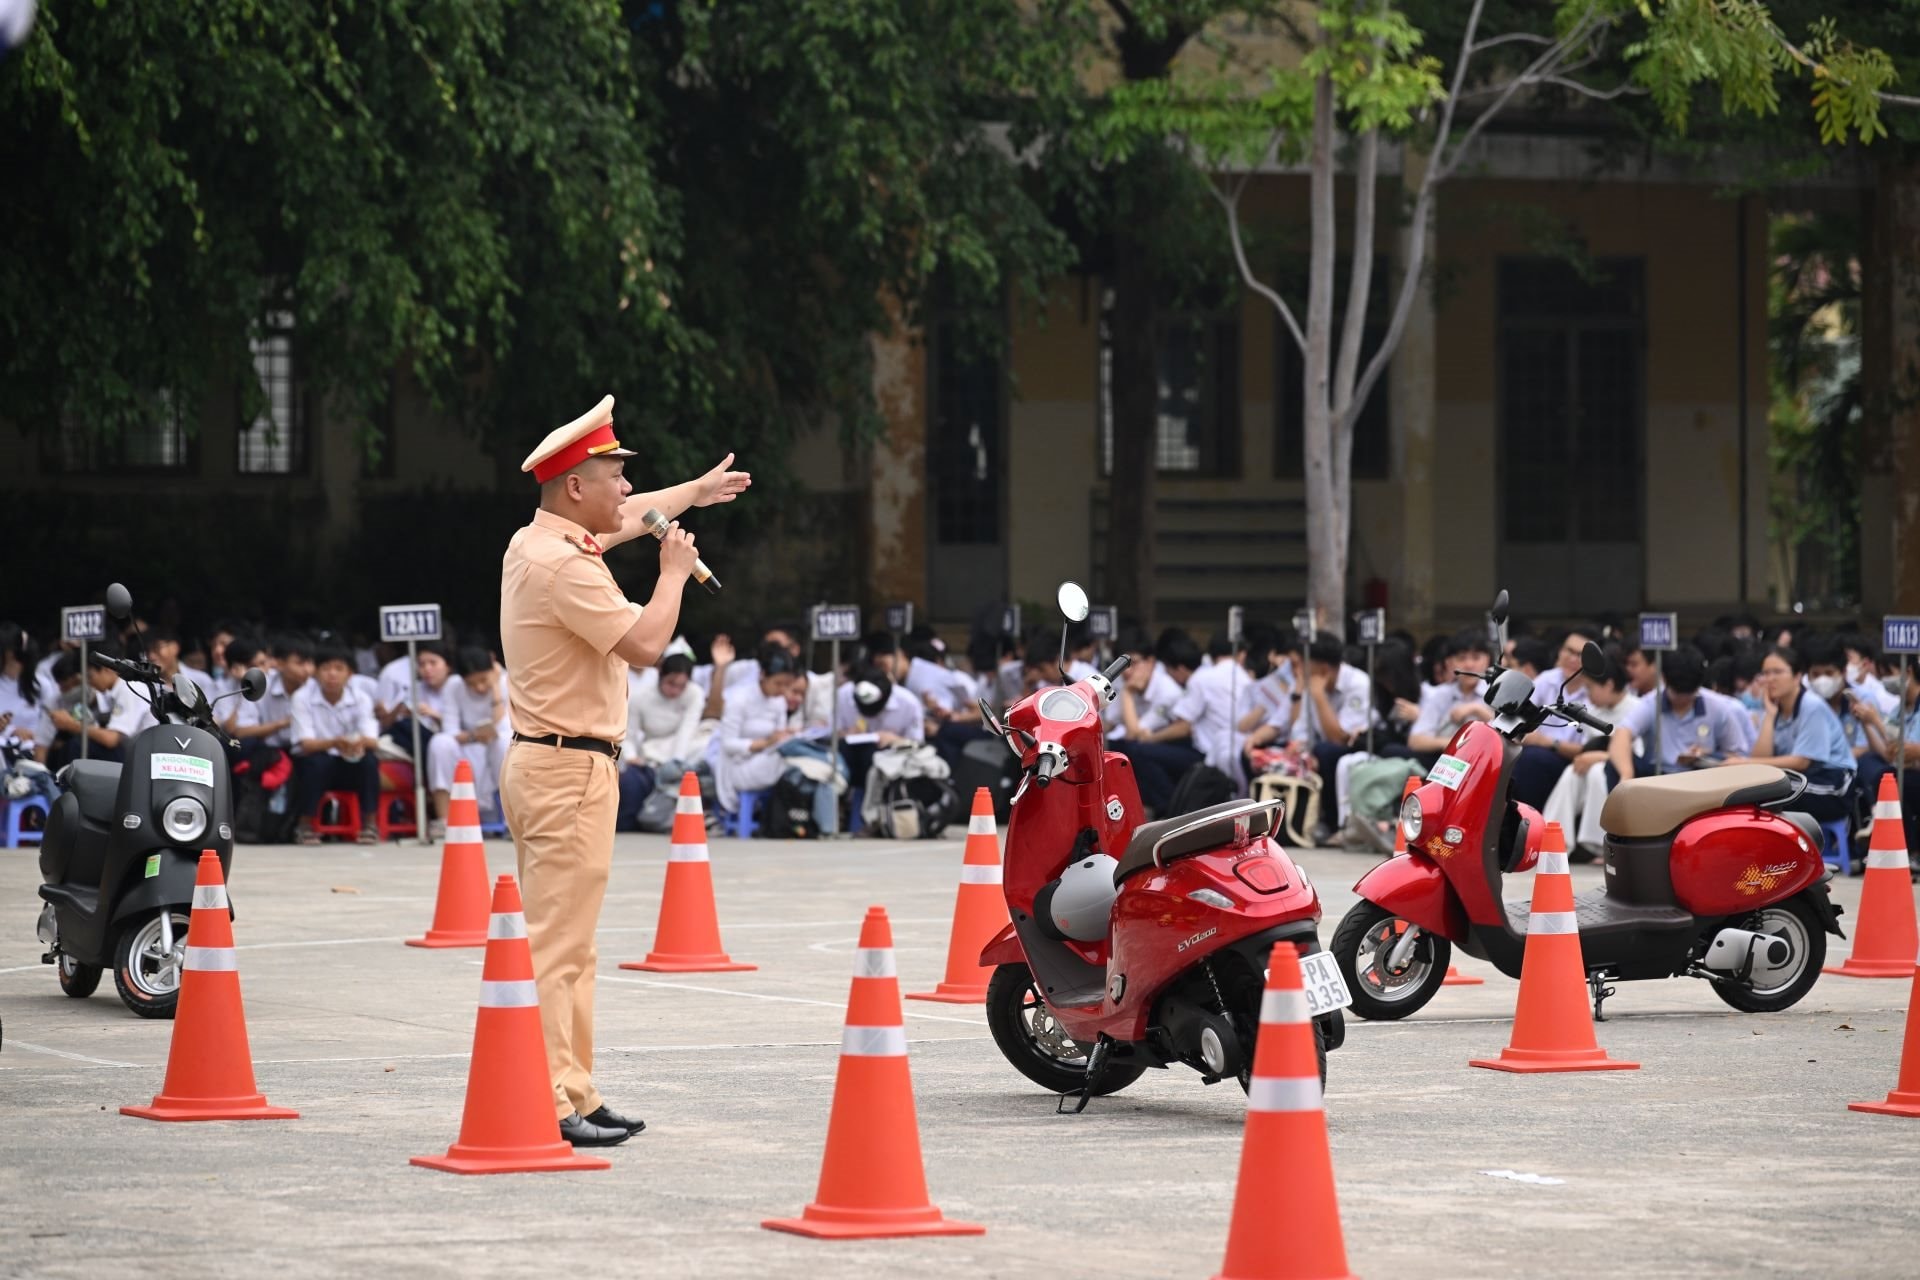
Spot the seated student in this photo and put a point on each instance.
(21, 714)
(429, 686)
(664, 733)
(473, 709)
(1157, 741)
(733, 671)
(269, 722)
(872, 713)
(753, 723)
(1694, 730)
(1445, 707)
(1891, 736)
(1799, 731)
(1147, 686)
(163, 650)
(334, 734)
(1335, 708)
(97, 704)
(1581, 793)
(1081, 651)
(1862, 673)
(1546, 752)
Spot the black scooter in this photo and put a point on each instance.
(123, 841)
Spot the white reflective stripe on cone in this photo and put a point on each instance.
(686, 853)
(1283, 1008)
(1886, 859)
(687, 804)
(873, 962)
(212, 960)
(507, 924)
(461, 791)
(981, 824)
(1886, 809)
(1553, 922)
(1553, 864)
(209, 897)
(874, 1042)
(463, 835)
(1293, 1094)
(509, 995)
(972, 874)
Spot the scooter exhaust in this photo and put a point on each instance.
(1739, 951)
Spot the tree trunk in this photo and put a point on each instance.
(1326, 501)
(1901, 187)
(1135, 390)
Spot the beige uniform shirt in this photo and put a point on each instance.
(561, 613)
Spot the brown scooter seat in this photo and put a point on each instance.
(1647, 808)
(1189, 833)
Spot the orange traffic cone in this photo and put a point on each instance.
(1552, 1030)
(509, 1125)
(1285, 1145)
(872, 1180)
(1904, 1098)
(979, 912)
(1886, 938)
(460, 912)
(209, 1067)
(687, 938)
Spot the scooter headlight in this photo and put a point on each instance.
(1411, 818)
(184, 820)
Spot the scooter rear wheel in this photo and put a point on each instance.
(1034, 1043)
(1361, 946)
(1806, 933)
(76, 979)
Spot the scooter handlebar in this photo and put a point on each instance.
(1118, 665)
(1580, 716)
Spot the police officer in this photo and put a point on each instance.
(568, 636)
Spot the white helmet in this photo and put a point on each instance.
(1081, 906)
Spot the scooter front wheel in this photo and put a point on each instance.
(1364, 947)
(147, 977)
(76, 979)
(1032, 1039)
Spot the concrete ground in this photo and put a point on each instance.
(1731, 1153)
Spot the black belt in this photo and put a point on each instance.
(604, 747)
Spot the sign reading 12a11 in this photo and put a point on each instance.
(402, 622)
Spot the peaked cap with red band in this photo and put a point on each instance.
(588, 436)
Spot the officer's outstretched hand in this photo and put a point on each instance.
(722, 485)
(676, 551)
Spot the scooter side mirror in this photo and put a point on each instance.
(1499, 611)
(1593, 661)
(1073, 602)
(253, 685)
(119, 602)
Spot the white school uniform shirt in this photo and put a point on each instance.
(901, 716)
(1749, 732)
(743, 669)
(1078, 670)
(43, 678)
(1207, 705)
(1548, 688)
(816, 707)
(208, 685)
(659, 728)
(30, 719)
(1437, 702)
(1154, 705)
(747, 716)
(1871, 691)
(314, 717)
(462, 708)
(1352, 699)
(368, 686)
(275, 704)
(129, 713)
(391, 689)
(930, 678)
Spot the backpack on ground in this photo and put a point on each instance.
(1198, 788)
(787, 811)
(918, 808)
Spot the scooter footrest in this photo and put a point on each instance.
(1595, 912)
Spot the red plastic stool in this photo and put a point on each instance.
(396, 794)
(349, 824)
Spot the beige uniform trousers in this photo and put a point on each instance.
(561, 804)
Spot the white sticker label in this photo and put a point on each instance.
(174, 768)
(1449, 772)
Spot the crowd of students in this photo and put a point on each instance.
(1269, 702)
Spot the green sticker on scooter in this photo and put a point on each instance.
(153, 865)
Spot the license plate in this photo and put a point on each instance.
(1326, 989)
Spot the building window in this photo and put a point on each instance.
(275, 442)
(159, 445)
(1372, 434)
(963, 452)
(1198, 358)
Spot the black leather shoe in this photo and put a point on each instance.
(585, 1133)
(607, 1118)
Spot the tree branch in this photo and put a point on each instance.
(1359, 280)
(1520, 37)
(1444, 166)
(1811, 63)
(1232, 205)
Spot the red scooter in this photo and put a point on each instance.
(1705, 877)
(1135, 945)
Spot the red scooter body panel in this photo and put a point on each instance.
(1467, 807)
(1740, 860)
(1413, 888)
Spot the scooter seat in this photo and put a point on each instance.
(1645, 808)
(1190, 833)
(96, 784)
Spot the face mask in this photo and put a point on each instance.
(1856, 672)
(1750, 700)
(1825, 686)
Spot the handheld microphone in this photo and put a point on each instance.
(656, 524)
